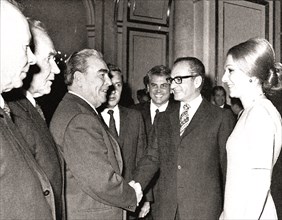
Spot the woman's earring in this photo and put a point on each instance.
(250, 80)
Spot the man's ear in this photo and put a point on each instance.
(147, 88)
(78, 78)
(198, 81)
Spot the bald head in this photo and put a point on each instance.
(16, 55)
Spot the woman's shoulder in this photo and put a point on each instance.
(264, 110)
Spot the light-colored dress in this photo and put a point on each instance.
(252, 148)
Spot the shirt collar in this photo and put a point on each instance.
(115, 109)
(162, 108)
(92, 106)
(30, 98)
(195, 103)
(2, 102)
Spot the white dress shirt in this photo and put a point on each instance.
(153, 109)
(2, 102)
(30, 98)
(194, 105)
(116, 115)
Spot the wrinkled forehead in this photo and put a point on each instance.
(181, 68)
(43, 42)
(97, 64)
(158, 79)
(116, 75)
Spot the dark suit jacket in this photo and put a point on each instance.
(94, 186)
(226, 106)
(144, 108)
(42, 146)
(132, 140)
(25, 191)
(192, 166)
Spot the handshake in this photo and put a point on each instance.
(139, 194)
(138, 190)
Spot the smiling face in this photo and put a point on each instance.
(116, 89)
(44, 52)
(95, 82)
(159, 90)
(189, 88)
(219, 98)
(236, 80)
(16, 56)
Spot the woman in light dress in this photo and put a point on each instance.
(255, 143)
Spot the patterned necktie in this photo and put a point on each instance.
(38, 108)
(184, 118)
(7, 109)
(112, 124)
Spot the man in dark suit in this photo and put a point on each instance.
(219, 97)
(25, 191)
(191, 140)
(28, 116)
(127, 126)
(95, 188)
(159, 91)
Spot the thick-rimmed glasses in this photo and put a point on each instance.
(178, 79)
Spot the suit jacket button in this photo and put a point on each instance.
(46, 192)
(179, 167)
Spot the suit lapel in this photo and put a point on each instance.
(175, 123)
(123, 127)
(114, 143)
(197, 119)
(147, 116)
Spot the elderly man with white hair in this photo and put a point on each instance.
(26, 192)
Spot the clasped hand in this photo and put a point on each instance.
(138, 190)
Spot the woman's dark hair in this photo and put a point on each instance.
(256, 58)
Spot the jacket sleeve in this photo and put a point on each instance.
(86, 152)
(149, 164)
(141, 149)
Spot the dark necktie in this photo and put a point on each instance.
(157, 112)
(184, 119)
(112, 124)
(39, 110)
(7, 109)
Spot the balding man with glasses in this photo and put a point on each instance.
(191, 140)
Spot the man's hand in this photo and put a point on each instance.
(138, 190)
(144, 210)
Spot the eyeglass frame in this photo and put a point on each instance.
(170, 79)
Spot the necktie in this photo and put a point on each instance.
(112, 124)
(38, 108)
(156, 114)
(157, 111)
(184, 119)
(7, 109)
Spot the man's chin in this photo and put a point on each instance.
(17, 84)
(112, 103)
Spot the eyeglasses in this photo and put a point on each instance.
(178, 79)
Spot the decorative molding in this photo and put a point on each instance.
(90, 26)
(160, 23)
(130, 29)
